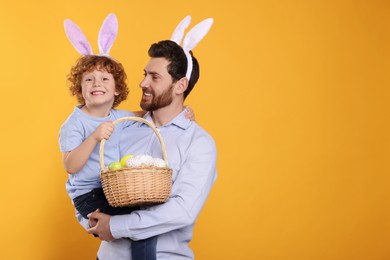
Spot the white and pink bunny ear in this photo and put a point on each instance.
(106, 38)
(77, 38)
(107, 34)
(178, 34)
(196, 34)
(193, 37)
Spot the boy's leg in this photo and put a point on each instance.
(95, 199)
(140, 250)
(84, 204)
(99, 201)
(144, 249)
(87, 203)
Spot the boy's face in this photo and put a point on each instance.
(98, 88)
(157, 86)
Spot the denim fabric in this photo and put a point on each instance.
(95, 199)
(144, 249)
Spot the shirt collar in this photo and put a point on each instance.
(180, 120)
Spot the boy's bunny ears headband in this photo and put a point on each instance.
(107, 35)
(193, 37)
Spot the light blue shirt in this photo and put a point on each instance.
(73, 133)
(192, 156)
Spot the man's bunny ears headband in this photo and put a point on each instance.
(193, 37)
(107, 35)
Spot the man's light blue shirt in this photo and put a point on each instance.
(192, 156)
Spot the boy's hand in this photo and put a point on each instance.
(103, 131)
(190, 114)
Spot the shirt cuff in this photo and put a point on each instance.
(118, 226)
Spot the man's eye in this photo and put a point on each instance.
(88, 79)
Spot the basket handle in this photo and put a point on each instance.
(138, 119)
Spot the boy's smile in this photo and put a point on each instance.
(98, 92)
(98, 88)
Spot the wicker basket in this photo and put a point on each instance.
(136, 185)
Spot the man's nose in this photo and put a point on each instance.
(143, 83)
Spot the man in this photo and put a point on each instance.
(191, 154)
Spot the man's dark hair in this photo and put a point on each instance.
(177, 67)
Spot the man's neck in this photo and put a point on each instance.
(164, 115)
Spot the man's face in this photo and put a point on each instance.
(157, 86)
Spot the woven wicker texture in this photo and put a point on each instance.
(139, 185)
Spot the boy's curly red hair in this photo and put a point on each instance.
(92, 62)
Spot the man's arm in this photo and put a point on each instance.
(189, 193)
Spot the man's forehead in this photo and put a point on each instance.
(158, 65)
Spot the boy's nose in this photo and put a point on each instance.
(96, 83)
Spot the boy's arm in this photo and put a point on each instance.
(77, 158)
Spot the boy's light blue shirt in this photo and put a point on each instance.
(192, 156)
(73, 133)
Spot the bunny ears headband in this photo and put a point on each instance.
(107, 36)
(193, 37)
(109, 31)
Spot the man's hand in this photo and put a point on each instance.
(92, 222)
(100, 225)
(190, 114)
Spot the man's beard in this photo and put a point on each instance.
(157, 102)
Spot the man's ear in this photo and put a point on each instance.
(181, 85)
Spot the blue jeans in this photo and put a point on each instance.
(95, 199)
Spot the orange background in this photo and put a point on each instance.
(295, 93)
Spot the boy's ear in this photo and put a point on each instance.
(181, 85)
